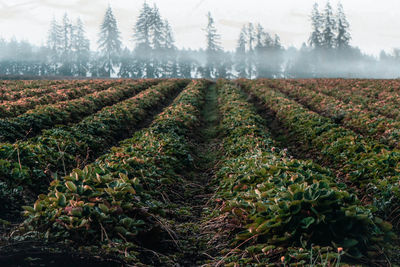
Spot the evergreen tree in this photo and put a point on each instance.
(257, 53)
(316, 38)
(251, 57)
(262, 38)
(168, 36)
(262, 52)
(158, 43)
(157, 29)
(328, 33)
(251, 36)
(267, 53)
(213, 50)
(155, 49)
(277, 57)
(169, 53)
(142, 30)
(343, 35)
(240, 56)
(109, 43)
(54, 45)
(142, 36)
(67, 33)
(81, 49)
(54, 35)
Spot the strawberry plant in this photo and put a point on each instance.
(115, 202)
(34, 163)
(279, 202)
(64, 112)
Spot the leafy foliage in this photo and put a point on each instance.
(280, 202)
(63, 112)
(372, 166)
(35, 162)
(118, 200)
(109, 43)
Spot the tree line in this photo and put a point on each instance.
(258, 53)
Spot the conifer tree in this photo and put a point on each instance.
(158, 42)
(142, 36)
(267, 53)
(240, 56)
(213, 48)
(169, 52)
(329, 29)
(81, 49)
(316, 37)
(157, 28)
(142, 30)
(67, 33)
(343, 35)
(109, 43)
(251, 57)
(262, 51)
(54, 45)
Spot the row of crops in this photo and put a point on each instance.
(351, 115)
(119, 170)
(380, 96)
(363, 161)
(27, 100)
(15, 90)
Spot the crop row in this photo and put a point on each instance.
(16, 85)
(371, 166)
(15, 108)
(34, 163)
(47, 116)
(284, 206)
(117, 202)
(352, 116)
(368, 87)
(381, 97)
(14, 90)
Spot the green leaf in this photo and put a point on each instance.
(71, 186)
(104, 208)
(306, 222)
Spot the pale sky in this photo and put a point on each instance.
(375, 25)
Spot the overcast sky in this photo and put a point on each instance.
(375, 25)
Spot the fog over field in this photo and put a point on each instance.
(199, 133)
(372, 41)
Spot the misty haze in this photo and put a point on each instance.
(199, 133)
(151, 50)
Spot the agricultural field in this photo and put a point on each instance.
(180, 172)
